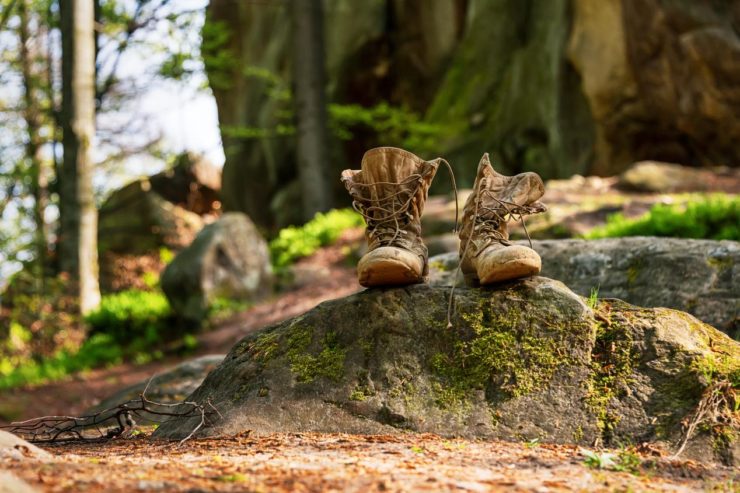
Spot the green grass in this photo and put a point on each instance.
(295, 242)
(716, 217)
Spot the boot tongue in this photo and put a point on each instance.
(384, 168)
(521, 189)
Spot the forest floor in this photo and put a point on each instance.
(350, 463)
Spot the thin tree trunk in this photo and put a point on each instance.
(310, 105)
(32, 116)
(79, 249)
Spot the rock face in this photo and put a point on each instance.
(228, 258)
(553, 86)
(696, 276)
(525, 360)
(168, 387)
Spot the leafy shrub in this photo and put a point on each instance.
(132, 315)
(295, 242)
(128, 325)
(716, 217)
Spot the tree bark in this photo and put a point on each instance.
(310, 105)
(33, 118)
(78, 241)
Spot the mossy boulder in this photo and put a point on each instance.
(525, 360)
(696, 276)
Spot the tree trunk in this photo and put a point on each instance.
(78, 242)
(32, 117)
(310, 105)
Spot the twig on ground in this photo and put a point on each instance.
(109, 423)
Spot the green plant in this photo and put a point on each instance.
(533, 443)
(132, 316)
(715, 217)
(594, 460)
(324, 229)
(593, 298)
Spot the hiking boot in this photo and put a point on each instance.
(486, 255)
(389, 191)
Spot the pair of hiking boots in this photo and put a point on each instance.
(390, 191)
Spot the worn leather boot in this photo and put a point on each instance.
(389, 191)
(486, 255)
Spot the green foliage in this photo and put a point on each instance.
(97, 350)
(132, 315)
(324, 229)
(593, 298)
(625, 461)
(394, 125)
(716, 217)
(129, 325)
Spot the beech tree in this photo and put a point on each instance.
(310, 105)
(78, 248)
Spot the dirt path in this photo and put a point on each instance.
(348, 463)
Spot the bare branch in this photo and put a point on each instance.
(109, 423)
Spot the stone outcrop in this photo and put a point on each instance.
(697, 276)
(525, 360)
(365, 61)
(228, 259)
(163, 210)
(136, 219)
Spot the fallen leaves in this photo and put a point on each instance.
(337, 462)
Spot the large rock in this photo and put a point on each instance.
(228, 259)
(137, 219)
(525, 360)
(696, 276)
(553, 86)
(193, 183)
(163, 210)
(168, 387)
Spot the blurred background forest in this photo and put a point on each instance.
(164, 164)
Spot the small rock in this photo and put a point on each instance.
(13, 447)
(10, 483)
(657, 177)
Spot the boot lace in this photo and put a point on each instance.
(487, 221)
(387, 216)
